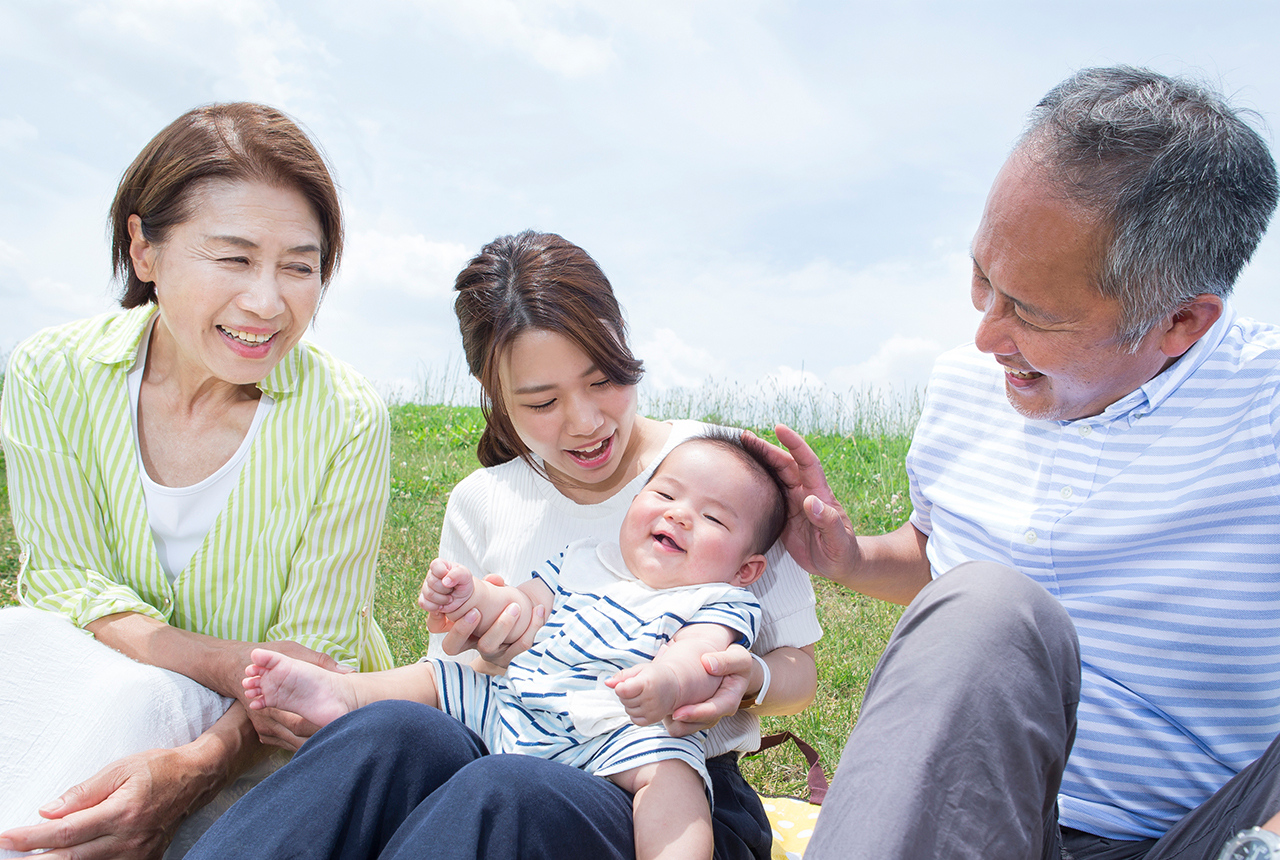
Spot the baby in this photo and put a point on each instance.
(627, 625)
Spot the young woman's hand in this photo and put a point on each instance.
(460, 635)
(733, 666)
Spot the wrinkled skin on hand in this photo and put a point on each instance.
(131, 808)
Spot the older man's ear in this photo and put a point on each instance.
(1189, 323)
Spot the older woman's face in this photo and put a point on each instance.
(237, 283)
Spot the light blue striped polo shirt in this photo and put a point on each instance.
(1157, 524)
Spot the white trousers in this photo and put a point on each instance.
(70, 706)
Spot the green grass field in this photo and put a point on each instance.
(433, 447)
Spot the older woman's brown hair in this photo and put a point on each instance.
(238, 141)
(535, 282)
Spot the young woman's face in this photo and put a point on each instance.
(565, 409)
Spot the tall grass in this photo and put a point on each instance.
(875, 412)
(861, 438)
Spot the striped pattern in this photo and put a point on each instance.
(508, 520)
(292, 556)
(553, 702)
(1157, 524)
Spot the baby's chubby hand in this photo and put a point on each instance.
(446, 588)
(648, 692)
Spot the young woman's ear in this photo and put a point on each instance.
(750, 571)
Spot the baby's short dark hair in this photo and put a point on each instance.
(770, 527)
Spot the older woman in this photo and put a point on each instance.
(187, 478)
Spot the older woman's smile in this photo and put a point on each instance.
(237, 284)
(246, 336)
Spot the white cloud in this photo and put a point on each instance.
(899, 362)
(767, 184)
(411, 263)
(544, 31)
(672, 363)
(789, 379)
(241, 48)
(16, 131)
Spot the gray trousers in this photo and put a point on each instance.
(965, 728)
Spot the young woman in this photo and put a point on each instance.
(564, 452)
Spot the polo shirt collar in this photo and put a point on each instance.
(121, 336)
(1152, 394)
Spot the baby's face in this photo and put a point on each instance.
(695, 521)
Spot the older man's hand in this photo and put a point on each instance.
(819, 534)
(820, 537)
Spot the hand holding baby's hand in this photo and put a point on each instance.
(648, 692)
(446, 588)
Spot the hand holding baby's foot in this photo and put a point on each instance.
(273, 680)
(447, 587)
(647, 692)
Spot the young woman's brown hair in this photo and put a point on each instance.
(239, 141)
(535, 282)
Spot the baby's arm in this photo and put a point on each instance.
(453, 591)
(651, 691)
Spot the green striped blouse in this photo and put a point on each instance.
(292, 556)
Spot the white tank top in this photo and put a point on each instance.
(180, 517)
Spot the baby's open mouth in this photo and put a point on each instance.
(668, 542)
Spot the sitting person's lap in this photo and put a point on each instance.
(95, 706)
(402, 780)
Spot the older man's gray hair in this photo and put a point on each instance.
(1183, 184)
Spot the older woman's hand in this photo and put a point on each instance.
(132, 807)
(128, 809)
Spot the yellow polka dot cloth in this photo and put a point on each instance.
(792, 821)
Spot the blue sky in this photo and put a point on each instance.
(773, 187)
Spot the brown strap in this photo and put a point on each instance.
(817, 778)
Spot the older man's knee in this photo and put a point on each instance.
(983, 609)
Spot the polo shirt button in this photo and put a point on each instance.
(167, 600)
(1085, 429)
(1067, 492)
(1031, 536)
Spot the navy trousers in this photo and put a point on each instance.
(399, 780)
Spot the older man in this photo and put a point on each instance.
(1093, 560)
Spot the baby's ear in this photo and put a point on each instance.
(750, 571)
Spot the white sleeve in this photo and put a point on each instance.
(462, 541)
(464, 534)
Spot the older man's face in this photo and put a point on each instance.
(1042, 318)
